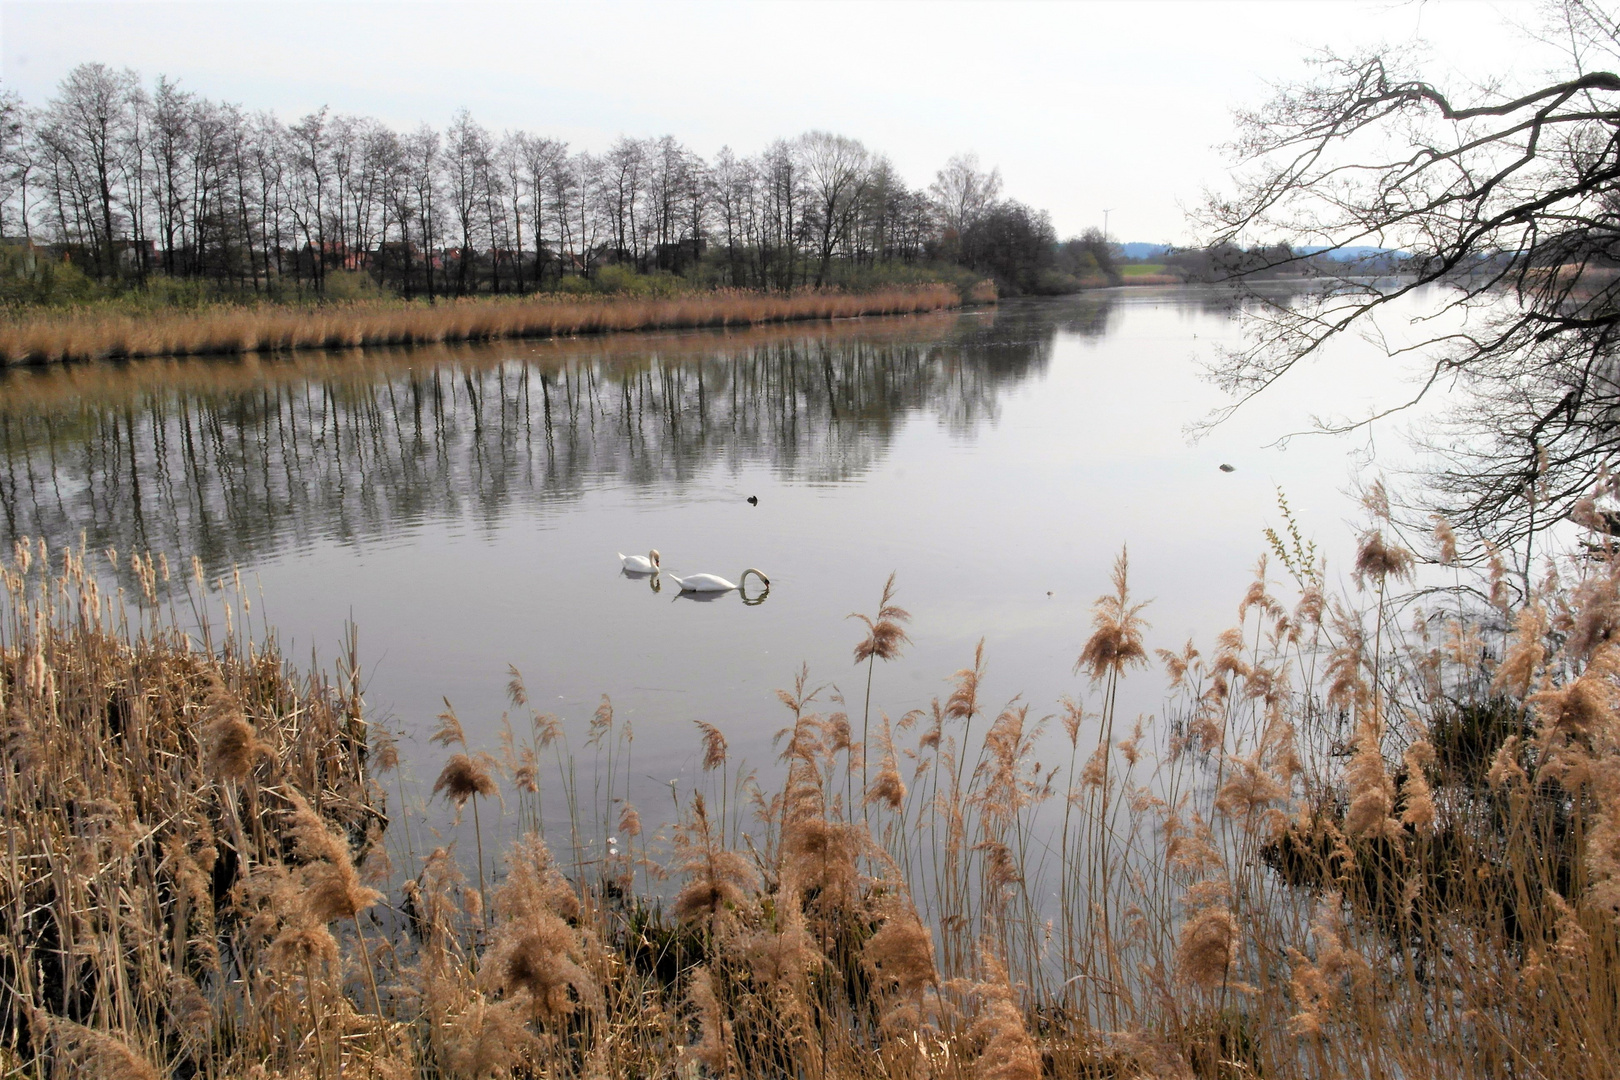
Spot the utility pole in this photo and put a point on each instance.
(1106, 212)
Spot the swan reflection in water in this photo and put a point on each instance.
(654, 582)
(711, 597)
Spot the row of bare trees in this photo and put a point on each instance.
(132, 181)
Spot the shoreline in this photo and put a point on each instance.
(230, 331)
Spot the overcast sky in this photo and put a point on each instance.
(1083, 106)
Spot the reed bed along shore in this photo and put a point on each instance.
(49, 387)
(229, 330)
(1355, 845)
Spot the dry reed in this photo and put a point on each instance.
(226, 330)
(1355, 850)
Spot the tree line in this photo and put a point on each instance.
(130, 182)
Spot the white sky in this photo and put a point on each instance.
(1083, 106)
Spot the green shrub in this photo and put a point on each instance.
(33, 276)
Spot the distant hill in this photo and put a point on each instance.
(1356, 253)
(1349, 254)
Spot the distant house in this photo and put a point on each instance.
(135, 254)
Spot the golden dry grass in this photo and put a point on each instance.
(57, 386)
(96, 335)
(1358, 849)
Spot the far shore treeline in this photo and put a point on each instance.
(116, 187)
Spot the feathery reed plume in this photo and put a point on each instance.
(716, 879)
(601, 721)
(1347, 681)
(713, 1048)
(885, 636)
(1008, 1051)
(629, 820)
(331, 890)
(1525, 653)
(190, 1014)
(1318, 986)
(515, 690)
(818, 854)
(963, 702)
(535, 956)
(1257, 596)
(1176, 665)
(1375, 499)
(332, 887)
(782, 953)
(890, 786)
(1209, 938)
(1417, 797)
(1007, 785)
(901, 952)
(1445, 540)
(304, 948)
(233, 746)
(79, 1051)
(1371, 791)
(1380, 561)
(384, 750)
(449, 730)
(1249, 787)
(714, 746)
(464, 777)
(487, 1039)
(1581, 708)
(1116, 642)
(1596, 618)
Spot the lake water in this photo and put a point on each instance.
(463, 506)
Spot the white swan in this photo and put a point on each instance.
(716, 583)
(640, 564)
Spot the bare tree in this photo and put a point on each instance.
(730, 183)
(467, 150)
(266, 142)
(87, 126)
(15, 159)
(542, 162)
(310, 143)
(586, 181)
(781, 218)
(1509, 201)
(621, 187)
(422, 193)
(836, 170)
(963, 192)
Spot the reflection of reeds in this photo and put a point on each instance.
(231, 330)
(35, 390)
(188, 880)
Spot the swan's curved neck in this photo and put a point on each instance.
(757, 573)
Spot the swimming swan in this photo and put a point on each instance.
(715, 583)
(640, 564)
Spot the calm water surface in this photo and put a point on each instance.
(464, 506)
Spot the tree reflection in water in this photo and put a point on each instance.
(237, 460)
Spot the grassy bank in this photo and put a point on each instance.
(92, 334)
(1356, 846)
(1148, 274)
